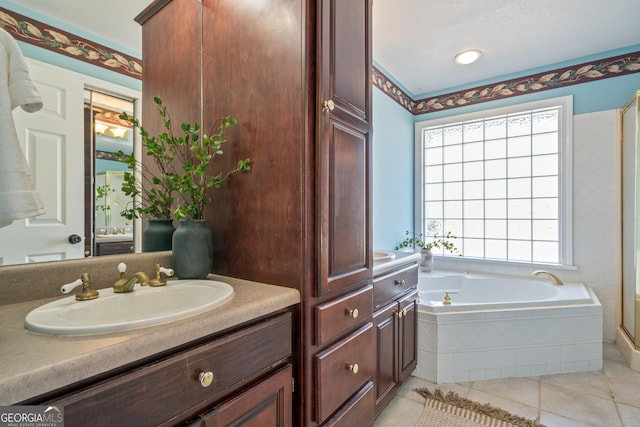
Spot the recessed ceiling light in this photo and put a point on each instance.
(468, 56)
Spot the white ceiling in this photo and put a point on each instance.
(415, 40)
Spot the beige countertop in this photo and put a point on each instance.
(402, 258)
(32, 364)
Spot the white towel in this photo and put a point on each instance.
(18, 195)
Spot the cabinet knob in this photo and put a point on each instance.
(353, 368)
(400, 314)
(328, 105)
(206, 378)
(400, 282)
(353, 313)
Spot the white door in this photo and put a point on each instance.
(52, 140)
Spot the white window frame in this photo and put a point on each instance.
(565, 173)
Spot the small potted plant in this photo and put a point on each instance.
(417, 241)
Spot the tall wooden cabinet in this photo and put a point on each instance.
(296, 74)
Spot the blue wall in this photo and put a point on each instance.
(393, 138)
(392, 171)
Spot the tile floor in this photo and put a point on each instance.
(607, 398)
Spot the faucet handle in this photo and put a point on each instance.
(86, 293)
(65, 289)
(122, 267)
(158, 280)
(168, 271)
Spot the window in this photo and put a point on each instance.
(500, 180)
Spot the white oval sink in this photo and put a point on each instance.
(145, 306)
(383, 256)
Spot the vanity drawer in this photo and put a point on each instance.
(342, 369)
(360, 407)
(343, 314)
(389, 286)
(168, 390)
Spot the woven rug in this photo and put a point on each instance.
(452, 410)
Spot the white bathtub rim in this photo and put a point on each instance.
(437, 306)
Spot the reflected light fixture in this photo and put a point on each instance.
(112, 131)
(468, 56)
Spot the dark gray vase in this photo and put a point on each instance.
(158, 235)
(192, 249)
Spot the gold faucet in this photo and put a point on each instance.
(126, 285)
(447, 298)
(555, 279)
(86, 293)
(159, 280)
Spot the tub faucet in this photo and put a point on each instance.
(126, 285)
(555, 279)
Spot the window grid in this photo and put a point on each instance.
(494, 183)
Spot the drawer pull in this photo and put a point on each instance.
(401, 313)
(353, 313)
(400, 282)
(206, 378)
(353, 368)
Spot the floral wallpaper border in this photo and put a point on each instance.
(56, 40)
(553, 79)
(382, 82)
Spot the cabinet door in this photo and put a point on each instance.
(408, 327)
(344, 148)
(385, 321)
(268, 403)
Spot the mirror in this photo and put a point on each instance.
(110, 232)
(69, 145)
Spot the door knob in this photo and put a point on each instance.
(74, 238)
(328, 105)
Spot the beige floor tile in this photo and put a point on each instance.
(594, 383)
(400, 412)
(626, 392)
(512, 406)
(408, 389)
(607, 398)
(620, 369)
(554, 420)
(578, 406)
(630, 415)
(522, 390)
(611, 351)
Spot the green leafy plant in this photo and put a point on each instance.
(101, 193)
(413, 240)
(197, 152)
(182, 162)
(156, 187)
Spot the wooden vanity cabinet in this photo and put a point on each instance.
(395, 324)
(268, 403)
(297, 76)
(251, 380)
(114, 248)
